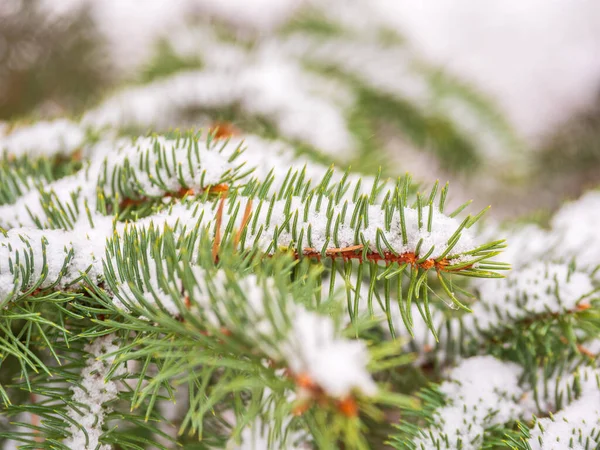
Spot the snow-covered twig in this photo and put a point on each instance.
(92, 395)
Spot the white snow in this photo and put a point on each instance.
(47, 255)
(576, 426)
(43, 138)
(268, 86)
(170, 163)
(93, 394)
(538, 289)
(88, 243)
(576, 228)
(443, 227)
(481, 392)
(336, 365)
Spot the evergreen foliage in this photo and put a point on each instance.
(229, 287)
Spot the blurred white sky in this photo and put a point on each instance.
(539, 58)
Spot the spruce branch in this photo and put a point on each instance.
(161, 104)
(313, 227)
(92, 395)
(333, 220)
(217, 289)
(481, 393)
(73, 408)
(576, 425)
(167, 282)
(43, 138)
(132, 174)
(537, 295)
(136, 178)
(20, 175)
(548, 309)
(226, 315)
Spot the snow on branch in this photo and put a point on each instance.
(306, 348)
(140, 170)
(505, 309)
(316, 225)
(480, 392)
(133, 173)
(577, 425)
(44, 138)
(572, 236)
(312, 225)
(541, 290)
(276, 89)
(574, 226)
(312, 350)
(92, 395)
(33, 259)
(321, 359)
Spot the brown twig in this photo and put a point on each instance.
(245, 220)
(179, 194)
(355, 252)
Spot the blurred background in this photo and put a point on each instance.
(501, 98)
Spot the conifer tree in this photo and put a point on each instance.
(261, 283)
